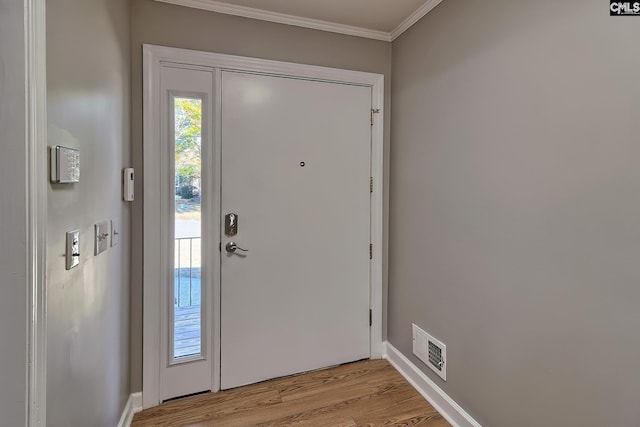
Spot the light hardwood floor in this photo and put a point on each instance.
(367, 393)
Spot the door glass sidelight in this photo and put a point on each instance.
(187, 302)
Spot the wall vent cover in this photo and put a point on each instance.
(435, 356)
(431, 351)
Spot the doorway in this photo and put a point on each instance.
(282, 212)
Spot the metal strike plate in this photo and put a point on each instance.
(230, 224)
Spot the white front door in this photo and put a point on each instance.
(291, 157)
(295, 172)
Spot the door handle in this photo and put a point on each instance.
(231, 247)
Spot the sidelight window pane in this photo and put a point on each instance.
(187, 337)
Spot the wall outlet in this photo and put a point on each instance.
(102, 237)
(431, 351)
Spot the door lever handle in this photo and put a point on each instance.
(231, 247)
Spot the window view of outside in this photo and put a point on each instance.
(188, 136)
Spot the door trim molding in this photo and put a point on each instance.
(36, 197)
(154, 57)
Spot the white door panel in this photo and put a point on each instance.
(186, 321)
(296, 169)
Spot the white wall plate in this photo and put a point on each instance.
(115, 232)
(101, 237)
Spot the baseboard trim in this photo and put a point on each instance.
(134, 405)
(444, 404)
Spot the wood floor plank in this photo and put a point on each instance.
(366, 393)
(327, 421)
(294, 408)
(377, 397)
(206, 406)
(334, 379)
(411, 412)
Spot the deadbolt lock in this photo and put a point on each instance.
(231, 224)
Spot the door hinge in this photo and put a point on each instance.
(370, 317)
(220, 247)
(374, 111)
(371, 185)
(370, 250)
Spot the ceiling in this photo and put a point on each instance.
(376, 19)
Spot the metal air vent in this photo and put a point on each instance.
(431, 351)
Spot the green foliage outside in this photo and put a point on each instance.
(188, 127)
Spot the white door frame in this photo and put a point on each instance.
(153, 59)
(36, 189)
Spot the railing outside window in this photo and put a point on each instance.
(187, 275)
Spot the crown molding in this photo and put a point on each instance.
(413, 18)
(298, 21)
(281, 18)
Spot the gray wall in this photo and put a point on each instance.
(515, 207)
(88, 78)
(168, 25)
(13, 212)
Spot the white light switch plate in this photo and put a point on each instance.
(102, 237)
(115, 232)
(73, 249)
